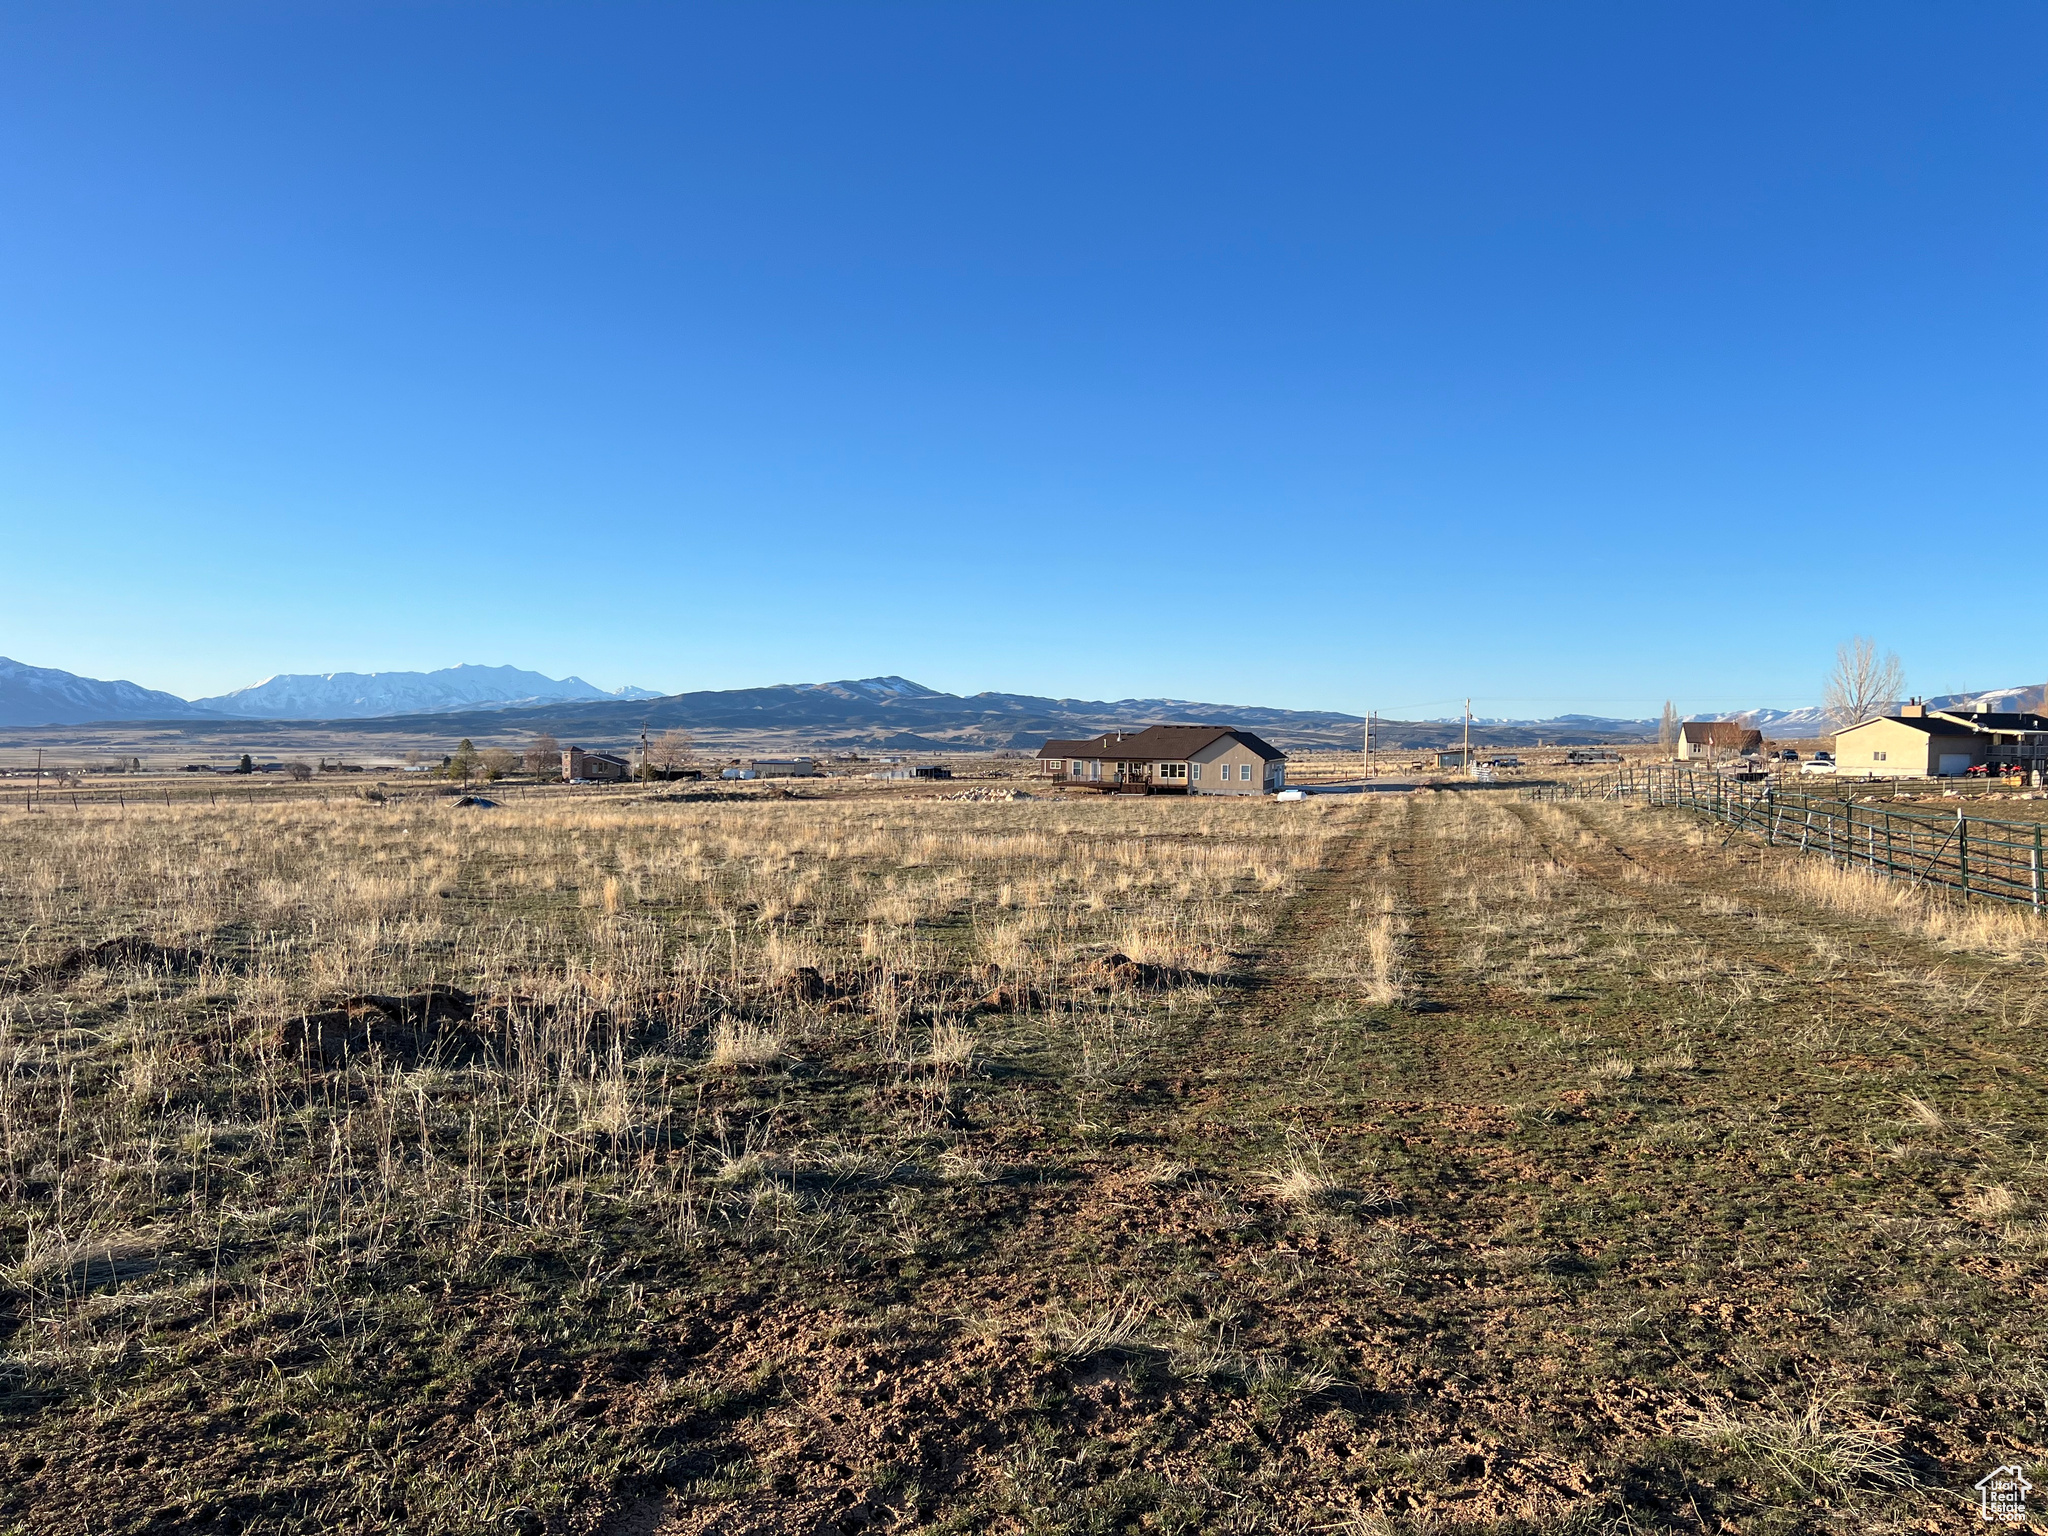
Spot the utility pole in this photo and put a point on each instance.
(1368, 743)
(1468, 735)
(644, 775)
(39, 778)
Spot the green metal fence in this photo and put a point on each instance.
(1974, 856)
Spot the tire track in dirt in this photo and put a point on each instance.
(1290, 984)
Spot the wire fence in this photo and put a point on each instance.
(1977, 857)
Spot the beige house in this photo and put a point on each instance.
(600, 767)
(1923, 743)
(1170, 759)
(1705, 740)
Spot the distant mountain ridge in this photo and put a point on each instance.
(873, 713)
(368, 695)
(894, 714)
(46, 696)
(1814, 720)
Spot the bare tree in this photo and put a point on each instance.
(1667, 727)
(671, 750)
(1862, 686)
(544, 756)
(299, 769)
(499, 761)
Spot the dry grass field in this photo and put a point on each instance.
(1400, 1163)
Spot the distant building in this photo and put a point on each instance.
(784, 768)
(915, 771)
(594, 767)
(1169, 759)
(1923, 743)
(1705, 740)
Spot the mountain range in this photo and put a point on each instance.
(875, 713)
(367, 695)
(47, 696)
(1788, 724)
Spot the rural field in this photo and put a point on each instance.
(643, 1164)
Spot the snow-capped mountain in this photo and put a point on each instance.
(1814, 720)
(364, 695)
(46, 696)
(2004, 701)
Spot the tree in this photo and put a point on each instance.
(544, 756)
(463, 763)
(299, 769)
(669, 751)
(1667, 727)
(1862, 686)
(499, 761)
(245, 765)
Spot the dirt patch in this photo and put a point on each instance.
(439, 1022)
(130, 951)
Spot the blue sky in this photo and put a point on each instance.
(1565, 356)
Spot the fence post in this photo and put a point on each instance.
(1963, 849)
(2036, 881)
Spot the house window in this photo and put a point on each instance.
(1173, 770)
(1877, 757)
(1194, 773)
(1244, 772)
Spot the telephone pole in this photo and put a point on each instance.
(1468, 735)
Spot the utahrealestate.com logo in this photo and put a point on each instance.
(2002, 1495)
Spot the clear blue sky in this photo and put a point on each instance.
(1566, 356)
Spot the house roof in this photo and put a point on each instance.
(1158, 743)
(1719, 733)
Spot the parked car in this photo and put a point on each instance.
(1788, 756)
(1820, 763)
(1580, 756)
(1503, 762)
(1824, 757)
